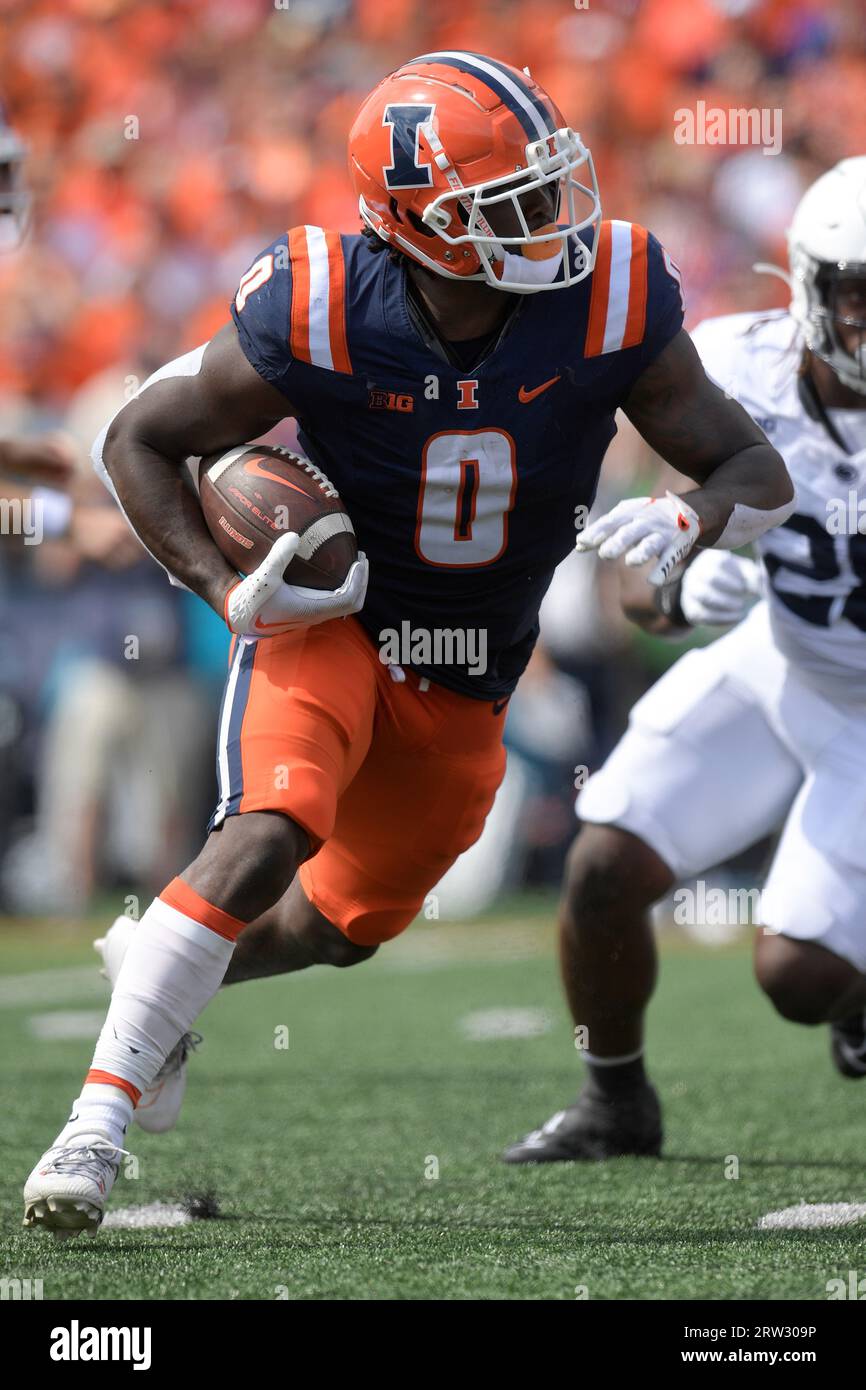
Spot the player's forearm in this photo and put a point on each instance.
(166, 515)
(655, 610)
(743, 485)
(747, 494)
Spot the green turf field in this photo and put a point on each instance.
(321, 1153)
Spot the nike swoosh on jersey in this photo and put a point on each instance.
(524, 396)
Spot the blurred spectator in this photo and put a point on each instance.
(168, 143)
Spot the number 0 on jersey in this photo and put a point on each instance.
(468, 486)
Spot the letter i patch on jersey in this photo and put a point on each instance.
(467, 393)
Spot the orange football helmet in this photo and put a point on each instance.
(447, 153)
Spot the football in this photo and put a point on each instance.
(253, 494)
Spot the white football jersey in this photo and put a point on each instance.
(815, 564)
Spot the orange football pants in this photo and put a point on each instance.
(390, 780)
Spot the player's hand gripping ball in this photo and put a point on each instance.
(264, 605)
(279, 520)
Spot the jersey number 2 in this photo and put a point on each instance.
(822, 562)
(468, 485)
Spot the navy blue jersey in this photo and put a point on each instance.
(462, 485)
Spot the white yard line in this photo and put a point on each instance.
(45, 987)
(64, 1025)
(810, 1216)
(486, 1024)
(164, 1214)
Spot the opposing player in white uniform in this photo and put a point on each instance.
(764, 731)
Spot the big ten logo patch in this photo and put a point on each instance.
(399, 401)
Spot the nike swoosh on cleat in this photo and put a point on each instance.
(525, 396)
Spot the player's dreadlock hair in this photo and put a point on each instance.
(398, 257)
(375, 243)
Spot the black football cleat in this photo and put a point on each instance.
(848, 1046)
(595, 1128)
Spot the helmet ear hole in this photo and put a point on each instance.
(419, 226)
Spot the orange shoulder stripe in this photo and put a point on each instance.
(337, 304)
(637, 289)
(299, 330)
(599, 296)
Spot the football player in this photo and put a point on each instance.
(455, 370)
(763, 731)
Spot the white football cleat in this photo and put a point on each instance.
(67, 1190)
(112, 947)
(160, 1103)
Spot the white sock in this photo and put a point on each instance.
(101, 1111)
(172, 968)
(612, 1061)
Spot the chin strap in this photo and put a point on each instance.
(519, 270)
(814, 408)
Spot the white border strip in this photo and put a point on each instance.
(223, 736)
(320, 298)
(618, 291)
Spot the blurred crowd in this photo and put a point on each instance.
(167, 143)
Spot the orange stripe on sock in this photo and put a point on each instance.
(600, 294)
(107, 1078)
(184, 899)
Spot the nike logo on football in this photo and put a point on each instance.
(499, 705)
(253, 467)
(524, 396)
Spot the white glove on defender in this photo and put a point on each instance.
(643, 528)
(717, 587)
(263, 605)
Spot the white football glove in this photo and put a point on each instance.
(645, 528)
(264, 605)
(717, 587)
